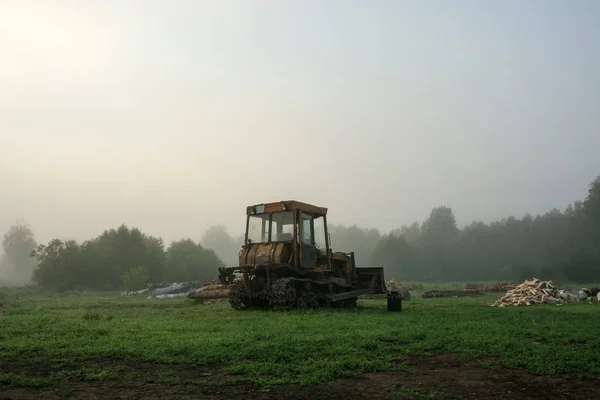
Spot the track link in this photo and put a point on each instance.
(289, 293)
(285, 294)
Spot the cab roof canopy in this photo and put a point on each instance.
(286, 205)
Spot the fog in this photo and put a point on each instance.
(173, 117)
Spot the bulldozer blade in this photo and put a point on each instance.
(371, 278)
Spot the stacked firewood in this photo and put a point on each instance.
(529, 293)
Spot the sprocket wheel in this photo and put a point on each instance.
(237, 294)
(308, 300)
(283, 295)
(290, 296)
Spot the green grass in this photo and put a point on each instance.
(286, 347)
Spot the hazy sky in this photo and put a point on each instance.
(174, 115)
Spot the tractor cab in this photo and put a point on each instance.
(286, 232)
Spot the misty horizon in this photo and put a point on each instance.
(236, 234)
(174, 119)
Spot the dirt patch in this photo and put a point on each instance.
(435, 377)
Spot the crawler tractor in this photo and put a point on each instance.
(286, 262)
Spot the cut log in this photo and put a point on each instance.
(215, 287)
(209, 295)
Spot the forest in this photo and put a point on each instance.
(558, 245)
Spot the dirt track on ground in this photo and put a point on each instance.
(436, 377)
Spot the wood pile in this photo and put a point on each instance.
(211, 293)
(493, 288)
(371, 296)
(391, 285)
(450, 293)
(208, 293)
(530, 293)
(394, 285)
(213, 301)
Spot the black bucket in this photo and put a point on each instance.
(394, 301)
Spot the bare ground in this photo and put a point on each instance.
(436, 377)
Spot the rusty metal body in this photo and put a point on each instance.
(286, 262)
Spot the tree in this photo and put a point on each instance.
(438, 239)
(115, 251)
(60, 265)
(591, 210)
(188, 261)
(440, 227)
(353, 238)
(17, 265)
(396, 256)
(106, 262)
(411, 234)
(226, 247)
(584, 232)
(476, 251)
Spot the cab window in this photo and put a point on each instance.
(307, 229)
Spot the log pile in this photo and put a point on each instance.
(166, 290)
(391, 285)
(493, 288)
(530, 293)
(177, 288)
(211, 293)
(208, 292)
(371, 296)
(450, 293)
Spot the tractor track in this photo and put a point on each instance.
(285, 294)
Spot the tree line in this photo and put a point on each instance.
(558, 245)
(121, 258)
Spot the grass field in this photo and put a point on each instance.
(47, 342)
